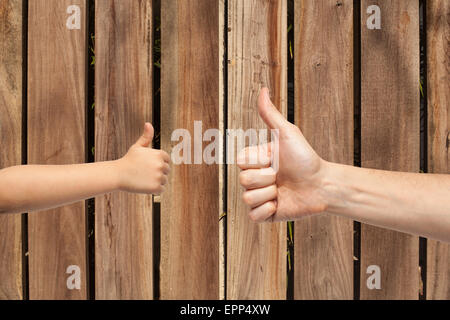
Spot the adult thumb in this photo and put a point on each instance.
(147, 137)
(270, 115)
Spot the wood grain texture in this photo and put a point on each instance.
(56, 135)
(257, 43)
(11, 141)
(190, 206)
(123, 49)
(390, 136)
(438, 66)
(222, 166)
(324, 111)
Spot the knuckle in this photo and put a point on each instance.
(164, 155)
(271, 172)
(155, 186)
(242, 156)
(263, 158)
(253, 216)
(272, 207)
(243, 178)
(247, 198)
(274, 189)
(159, 190)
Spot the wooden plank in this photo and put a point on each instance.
(438, 35)
(124, 243)
(11, 141)
(56, 135)
(257, 44)
(390, 136)
(222, 166)
(190, 205)
(324, 111)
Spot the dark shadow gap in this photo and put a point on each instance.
(423, 138)
(24, 218)
(291, 118)
(357, 139)
(90, 145)
(156, 250)
(156, 18)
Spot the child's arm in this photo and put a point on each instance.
(31, 188)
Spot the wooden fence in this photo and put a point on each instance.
(358, 99)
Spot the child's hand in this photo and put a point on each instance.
(143, 169)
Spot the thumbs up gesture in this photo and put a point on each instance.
(294, 190)
(143, 169)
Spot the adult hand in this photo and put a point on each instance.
(295, 190)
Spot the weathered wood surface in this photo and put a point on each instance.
(324, 112)
(438, 80)
(124, 95)
(190, 207)
(10, 141)
(257, 43)
(390, 136)
(192, 244)
(56, 135)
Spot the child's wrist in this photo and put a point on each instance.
(116, 175)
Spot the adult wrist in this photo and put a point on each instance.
(333, 190)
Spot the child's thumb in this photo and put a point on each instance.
(147, 137)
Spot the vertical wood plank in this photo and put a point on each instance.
(222, 166)
(56, 135)
(124, 244)
(438, 53)
(324, 111)
(190, 206)
(11, 141)
(256, 259)
(390, 137)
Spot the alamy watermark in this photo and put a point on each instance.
(192, 150)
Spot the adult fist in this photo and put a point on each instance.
(294, 190)
(143, 169)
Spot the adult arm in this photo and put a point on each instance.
(303, 184)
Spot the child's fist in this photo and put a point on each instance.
(143, 169)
